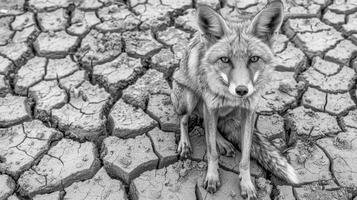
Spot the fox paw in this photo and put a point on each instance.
(211, 182)
(225, 148)
(184, 149)
(247, 189)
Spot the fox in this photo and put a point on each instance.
(221, 77)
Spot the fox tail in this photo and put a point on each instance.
(271, 158)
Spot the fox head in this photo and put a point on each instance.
(238, 54)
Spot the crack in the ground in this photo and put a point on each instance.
(331, 168)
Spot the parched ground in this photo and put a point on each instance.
(85, 111)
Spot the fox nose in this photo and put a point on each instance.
(241, 90)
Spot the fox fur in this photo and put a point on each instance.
(221, 77)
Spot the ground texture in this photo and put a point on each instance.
(86, 112)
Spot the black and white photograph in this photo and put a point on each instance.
(178, 100)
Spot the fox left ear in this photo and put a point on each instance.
(268, 21)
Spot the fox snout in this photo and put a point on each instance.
(241, 90)
(238, 86)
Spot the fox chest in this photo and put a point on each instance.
(225, 111)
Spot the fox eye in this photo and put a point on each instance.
(254, 59)
(224, 59)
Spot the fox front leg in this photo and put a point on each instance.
(184, 102)
(247, 187)
(184, 146)
(211, 182)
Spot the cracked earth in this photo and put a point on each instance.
(86, 111)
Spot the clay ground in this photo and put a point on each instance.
(85, 111)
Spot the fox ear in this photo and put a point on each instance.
(210, 22)
(268, 21)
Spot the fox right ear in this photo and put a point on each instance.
(210, 22)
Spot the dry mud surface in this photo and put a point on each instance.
(86, 111)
